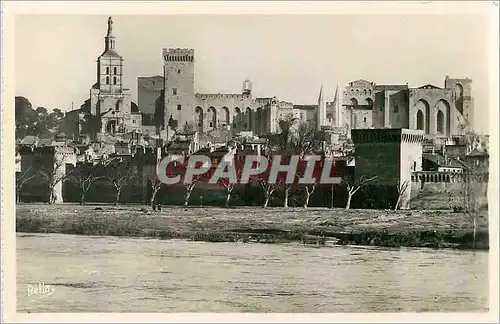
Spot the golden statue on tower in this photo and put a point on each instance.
(110, 25)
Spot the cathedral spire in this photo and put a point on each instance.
(320, 121)
(109, 40)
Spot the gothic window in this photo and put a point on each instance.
(114, 80)
(107, 80)
(114, 70)
(174, 91)
(420, 120)
(440, 122)
(107, 70)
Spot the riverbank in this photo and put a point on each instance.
(317, 226)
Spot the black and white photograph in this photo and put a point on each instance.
(252, 162)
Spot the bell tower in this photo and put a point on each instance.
(108, 99)
(110, 64)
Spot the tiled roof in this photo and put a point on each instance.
(45, 142)
(29, 140)
(441, 161)
(111, 53)
(203, 151)
(429, 86)
(180, 145)
(477, 152)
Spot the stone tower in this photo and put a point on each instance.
(108, 99)
(247, 87)
(391, 155)
(462, 98)
(179, 89)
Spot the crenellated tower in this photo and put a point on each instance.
(179, 88)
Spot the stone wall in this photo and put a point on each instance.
(443, 195)
(148, 91)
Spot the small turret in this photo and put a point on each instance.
(247, 87)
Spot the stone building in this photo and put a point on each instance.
(109, 109)
(392, 155)
(108, 98)
(439, 112)
(205, 112)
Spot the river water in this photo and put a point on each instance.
(106, 274)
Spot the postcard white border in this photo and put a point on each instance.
(10, 9)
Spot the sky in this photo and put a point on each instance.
(287, 56)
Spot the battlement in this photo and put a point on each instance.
(204, 96)
(364, 136)
(178, 54)
(437, 176)
(465, 80)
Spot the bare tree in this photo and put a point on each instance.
(332, 196)
(402, 188)
(229, 187)
(295, 138)
(230, 184)
(190, 186)
(156, 185)
(54, 175)
(84, 176)
(120, 178)
(21, 179)
(269, 189)
(309, 188)
(188, 190)
(353, 187)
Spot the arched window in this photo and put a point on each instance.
(107, 80)
(440, 122)
(420, 120)
(114, 70)
(114, 80)
(107, 70)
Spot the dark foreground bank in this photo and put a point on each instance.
(434, 229)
